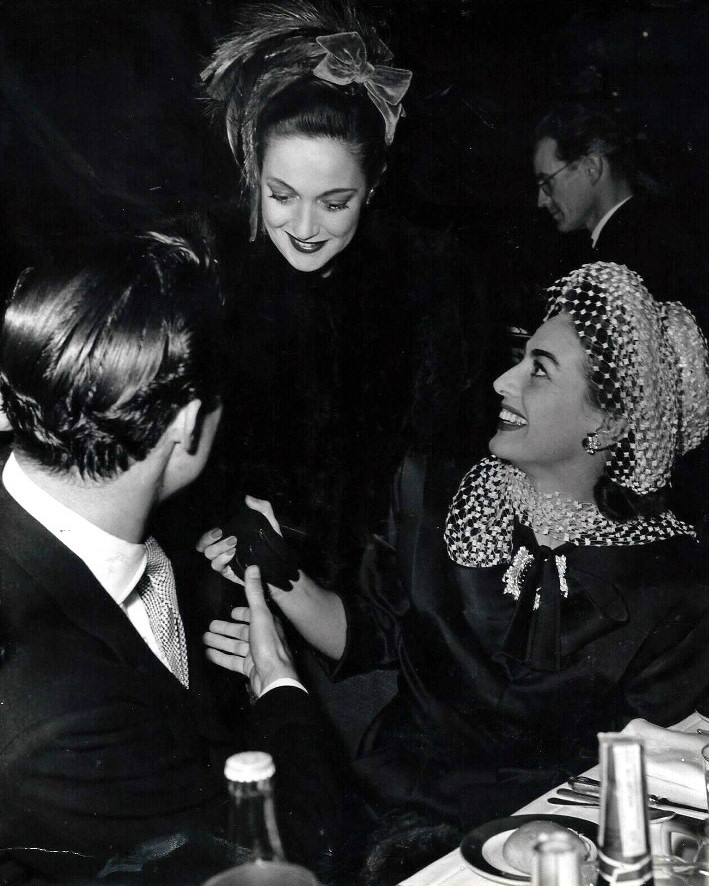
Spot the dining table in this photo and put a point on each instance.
(453, 869)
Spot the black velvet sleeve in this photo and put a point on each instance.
(670, 674)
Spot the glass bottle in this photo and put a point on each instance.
(252, 827)
(556, 862)
(252, 817)
(623, 834)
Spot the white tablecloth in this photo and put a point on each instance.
(452, 870)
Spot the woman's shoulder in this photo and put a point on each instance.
(670, 569)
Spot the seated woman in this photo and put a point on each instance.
(572, 601)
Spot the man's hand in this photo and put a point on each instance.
(253, 644)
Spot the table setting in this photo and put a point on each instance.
(677, 806)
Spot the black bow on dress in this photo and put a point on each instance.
(547, 629)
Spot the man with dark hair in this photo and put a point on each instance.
(588, 177)
(109, 731)
(583, 168)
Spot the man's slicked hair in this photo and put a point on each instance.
(98, 357)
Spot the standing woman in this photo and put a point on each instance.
(323, 313)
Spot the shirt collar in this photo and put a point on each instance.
(596, 233)
(117, 564)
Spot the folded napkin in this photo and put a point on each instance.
(673, 762)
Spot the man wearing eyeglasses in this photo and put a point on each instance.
(587, 177)
(584, 168)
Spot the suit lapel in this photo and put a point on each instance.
(66, 578)
(618, 227)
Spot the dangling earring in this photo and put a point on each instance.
(590, 443)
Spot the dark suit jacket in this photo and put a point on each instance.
(101, 748)
(651, 237)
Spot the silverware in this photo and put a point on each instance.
(584, 785)
(580, 795)
(584, 779)
(560, 801)
(590, 787)
(653, 814)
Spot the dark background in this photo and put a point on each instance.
(102, 124)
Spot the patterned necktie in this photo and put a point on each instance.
(157, 591)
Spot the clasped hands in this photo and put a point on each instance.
(253, 644)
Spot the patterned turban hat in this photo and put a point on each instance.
(648, 364)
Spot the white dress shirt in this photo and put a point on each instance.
(116, 564)
(596, 232)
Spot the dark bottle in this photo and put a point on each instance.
(623, 834)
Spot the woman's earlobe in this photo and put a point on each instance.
(615, 428)
(610, 431)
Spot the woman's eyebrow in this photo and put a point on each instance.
(272, 180)
(333, 191)
(538, 352)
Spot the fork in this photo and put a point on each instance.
(590, 787)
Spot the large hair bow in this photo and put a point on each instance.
(346, 62)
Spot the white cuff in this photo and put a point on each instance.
(283, 681)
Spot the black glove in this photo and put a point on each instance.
(258, 544)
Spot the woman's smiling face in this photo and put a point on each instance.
(312, 193)
(546, 412)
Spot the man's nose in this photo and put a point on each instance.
(543, 199)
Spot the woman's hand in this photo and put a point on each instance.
(256, 539)
(253, 644)
(220, 552)
(318, 615)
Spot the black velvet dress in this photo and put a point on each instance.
(330, 378)
(499, 699)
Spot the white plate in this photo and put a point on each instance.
(482, 847)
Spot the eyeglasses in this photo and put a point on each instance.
(546, 182)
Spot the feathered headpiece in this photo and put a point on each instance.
(276, 43)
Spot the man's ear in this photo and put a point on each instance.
(186, 426)
(593, 165)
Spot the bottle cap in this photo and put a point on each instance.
(249, 766)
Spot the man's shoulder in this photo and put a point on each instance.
(646, 213)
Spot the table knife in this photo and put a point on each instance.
(654, 814)
(585, 788)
